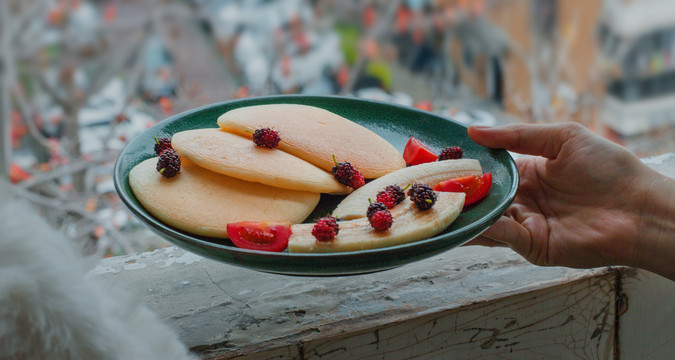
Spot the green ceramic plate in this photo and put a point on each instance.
(396, 124)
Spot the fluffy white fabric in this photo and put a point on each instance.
(48, 310)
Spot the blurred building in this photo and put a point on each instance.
(638, 52)
(538, 58)
(606, 64)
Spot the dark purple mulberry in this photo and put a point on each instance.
(381, 220)
(423, 196)
(326, 228)
(375, 207)
(451, 153)
(391, 196)
(162, 144)
(346, 174)
(168, 163)
(266, 138)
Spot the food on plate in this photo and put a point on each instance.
(162, 144)
(262, 172)
(236, 156)
(381, 220)
(450, 153)
(375, 207)
(409, 224)
(355, 204)
(423, 196)
(325, 229)
(391, 195)
(266, 138)
(416, 152)
(256, 235)
(316, 135)
(168, 163)
(203, 202)
(347, 175)
(475, 187)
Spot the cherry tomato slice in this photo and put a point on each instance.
(259, 235)
(417, 152)
(475, 187)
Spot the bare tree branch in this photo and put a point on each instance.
(133, 79)
(44, 84)
(115, 60)
(28, 116)
(62, 205)
(120, 239)
(74, 167)
(37, 7)
(5, 101)
(65, 206)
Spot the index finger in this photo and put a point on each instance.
(541, 139)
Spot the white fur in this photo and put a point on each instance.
(48, 310)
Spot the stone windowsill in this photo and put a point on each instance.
(488, 300)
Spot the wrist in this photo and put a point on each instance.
(655, 245)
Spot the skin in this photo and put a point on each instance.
(583, 202)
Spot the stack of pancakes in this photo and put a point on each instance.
(225, 178)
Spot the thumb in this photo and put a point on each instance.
(540, 139)
(508, 231)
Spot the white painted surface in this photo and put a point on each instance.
(568, 321)
(224, 310)
(647, 323)
(647, 327)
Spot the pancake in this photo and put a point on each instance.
(315, 135)
(237, 156)
(202, 202)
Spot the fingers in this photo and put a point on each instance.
(509, 231)
(544, 140)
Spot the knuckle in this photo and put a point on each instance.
(573, 128)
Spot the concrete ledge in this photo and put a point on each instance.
(224, 310)
(467, 302)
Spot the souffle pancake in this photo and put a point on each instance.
(203, 202)
(316, 135)
(239, 157)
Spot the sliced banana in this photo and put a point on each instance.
(410, 224)
(355, 205)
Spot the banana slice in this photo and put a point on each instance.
(355, 205)
(410, 224)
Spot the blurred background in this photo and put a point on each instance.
(80, 78)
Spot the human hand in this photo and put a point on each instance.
(583, 202)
